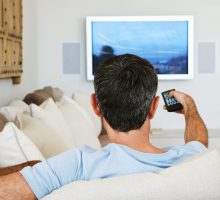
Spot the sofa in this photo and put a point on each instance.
(47, 123)
(196, 179)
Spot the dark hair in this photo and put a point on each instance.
(125, 86)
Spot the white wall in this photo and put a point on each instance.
(8, 91)
(64, 21)
(61, 21)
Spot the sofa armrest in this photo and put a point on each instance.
(196, 179)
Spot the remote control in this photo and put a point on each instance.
(171, 103)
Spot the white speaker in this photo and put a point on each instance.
(206, 55)
(71, 58)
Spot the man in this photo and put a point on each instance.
(125, 99)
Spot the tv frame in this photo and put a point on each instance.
(189, 19)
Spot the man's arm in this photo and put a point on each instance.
(43, 178)
(14, 186)
(195, 128)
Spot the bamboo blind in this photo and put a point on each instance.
(11, 40)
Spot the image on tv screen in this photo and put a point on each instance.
(163, 43)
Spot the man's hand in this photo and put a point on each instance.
(195, 128)
(189, 106)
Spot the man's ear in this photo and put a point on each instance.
(95, 105)
(153, 107)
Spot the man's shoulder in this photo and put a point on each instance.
(194, 146)
(181, 152)
(88, 151)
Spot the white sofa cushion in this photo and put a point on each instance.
(48, 141)
(84, 101)
(15, 147)
(79, 122)
(197, 179)
(49, 113)
(14, 108)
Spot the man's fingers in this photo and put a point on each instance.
(179, 96)
(164, 107)
(173, 93)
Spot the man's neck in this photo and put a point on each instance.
(136, 139)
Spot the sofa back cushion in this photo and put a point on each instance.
(36, 97)
(39, 96)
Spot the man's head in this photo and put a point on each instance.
(125, 87)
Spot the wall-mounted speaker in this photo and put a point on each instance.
(71, 58)
(206, 55)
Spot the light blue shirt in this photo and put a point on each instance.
(86, 163)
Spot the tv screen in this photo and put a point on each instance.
(167, 42)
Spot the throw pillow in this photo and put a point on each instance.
(13, 109)
(16, 148)
(3, 121)
(79, 122)
(48, 140)
(84, 101)
(50, 114)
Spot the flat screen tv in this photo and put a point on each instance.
(166, 41)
